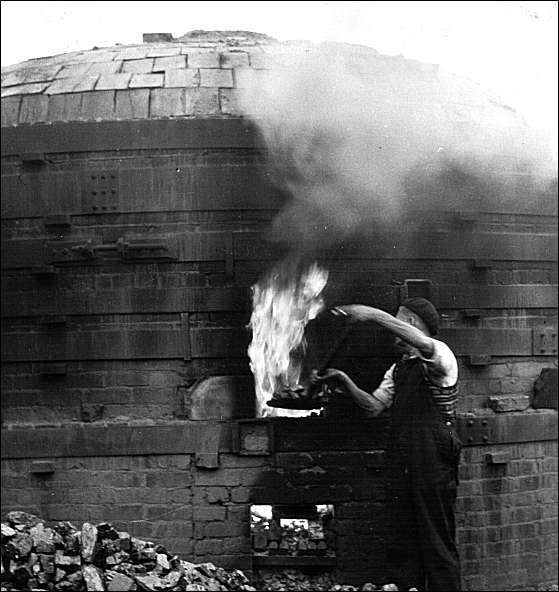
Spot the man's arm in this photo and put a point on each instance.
(404, 331)
(374, 403)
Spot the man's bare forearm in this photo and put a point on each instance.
(405, 331)
(367, 401)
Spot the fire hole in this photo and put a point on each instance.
(293, 535)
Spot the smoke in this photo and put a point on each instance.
(351, 133)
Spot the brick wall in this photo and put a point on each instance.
(506, 509)
(507, 516)
(195, 513)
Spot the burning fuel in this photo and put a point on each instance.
(283, 302)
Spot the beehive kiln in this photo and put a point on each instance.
(135, 205)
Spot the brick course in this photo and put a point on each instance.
(511, 529)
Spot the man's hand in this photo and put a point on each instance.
(330, 374)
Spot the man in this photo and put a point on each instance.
(423, 450)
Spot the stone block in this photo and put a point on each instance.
(10, 110)
(88, 540)
(99, 104)
(86, 83)
(24, 89)
(181, 78)
(174, 62)
(31, 74)
(167, 102)
(164, 51)
(133, 53)
(65, 107)
(202, 101)
(234, 59)
(93, 580)
(208, 513)
(217, 495)
(106, 68)
(212, 77)
(146, 81)
(199, 59)
(72, 84)
(74, 70)
(132, 104)
(118, 582)
(113, 81)
(34, 108)
(142, 66)
(516, 385)
(230, 101)
(506, 403)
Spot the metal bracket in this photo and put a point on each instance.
(101, 187)
(475, 430)
(34, 158)
(67, 252)
(142, 249)
(497, 458)
(57, 221)
(42, 467)
(544, 341)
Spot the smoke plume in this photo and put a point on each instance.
(349, 133)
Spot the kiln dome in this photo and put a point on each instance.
(197, 75)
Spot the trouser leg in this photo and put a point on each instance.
(436, 528)
(403, 551)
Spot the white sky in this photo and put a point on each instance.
(508, 47)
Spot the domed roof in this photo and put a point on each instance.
(197, 75)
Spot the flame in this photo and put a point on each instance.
(283, 302)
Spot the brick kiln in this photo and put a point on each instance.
(135, 204)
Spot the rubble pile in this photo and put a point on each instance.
(292, 579)
(295, 539)
(99, 558)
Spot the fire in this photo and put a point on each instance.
(283, 302)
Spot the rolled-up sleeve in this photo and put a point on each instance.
(383, 396)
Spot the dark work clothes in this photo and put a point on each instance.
(423, 456)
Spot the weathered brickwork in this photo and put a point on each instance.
(507, 517)
(506, 512)
(162, 498)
